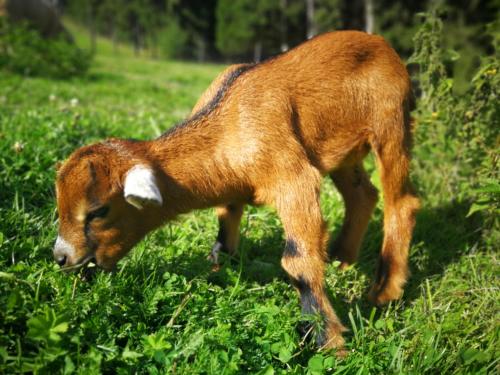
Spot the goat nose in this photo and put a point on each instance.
(63, 251)
(61, 260)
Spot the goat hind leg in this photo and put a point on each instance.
(400, 207)
(360, 198)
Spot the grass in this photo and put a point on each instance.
(164, 310)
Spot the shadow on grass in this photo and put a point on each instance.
(442, 235)
(95, 77)
(258, 261)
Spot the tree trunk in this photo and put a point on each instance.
(311, 24)
(153, 45)
(257, 51)
(92, 28)
(114, 40)
(369, 16)
(201, 49)
(137, 42)
(283, 26)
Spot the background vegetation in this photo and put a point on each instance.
(164, 310)
(243, 30)
(23, 50)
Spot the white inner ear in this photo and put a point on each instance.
(141, 188)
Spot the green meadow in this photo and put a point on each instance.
(165, 311)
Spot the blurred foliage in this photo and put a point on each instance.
(23, 50)
(235, 35)
(328, 15)
(245, 25)
(462, 131)
(244, 30)
(172, 40)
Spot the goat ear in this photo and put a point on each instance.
(141, 188)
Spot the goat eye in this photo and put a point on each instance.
(98, 213)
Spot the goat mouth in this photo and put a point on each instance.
(89, 271)
(82, 263)
(87, 266)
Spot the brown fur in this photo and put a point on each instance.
(266, 134)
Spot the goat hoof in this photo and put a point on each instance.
(382, 296)
(213, 257)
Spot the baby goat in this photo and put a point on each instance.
(263, 134)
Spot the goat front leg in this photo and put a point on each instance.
(229, 217)
(305, 256)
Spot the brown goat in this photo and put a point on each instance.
(263, 134)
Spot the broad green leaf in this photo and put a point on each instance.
(315, 363)
(285, 355)
(269, 370)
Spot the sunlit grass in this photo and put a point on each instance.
(165, 310)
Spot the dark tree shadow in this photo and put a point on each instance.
(96, 77)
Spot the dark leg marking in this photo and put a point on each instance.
(307, 299)
(221, 235)
(291, 249)
(358, 179)
(382, 272)
(310, 306)
(231, 208)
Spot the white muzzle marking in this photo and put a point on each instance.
(63, 248)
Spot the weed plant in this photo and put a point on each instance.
(24, 51)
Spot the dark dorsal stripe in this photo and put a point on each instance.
(214, 102)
